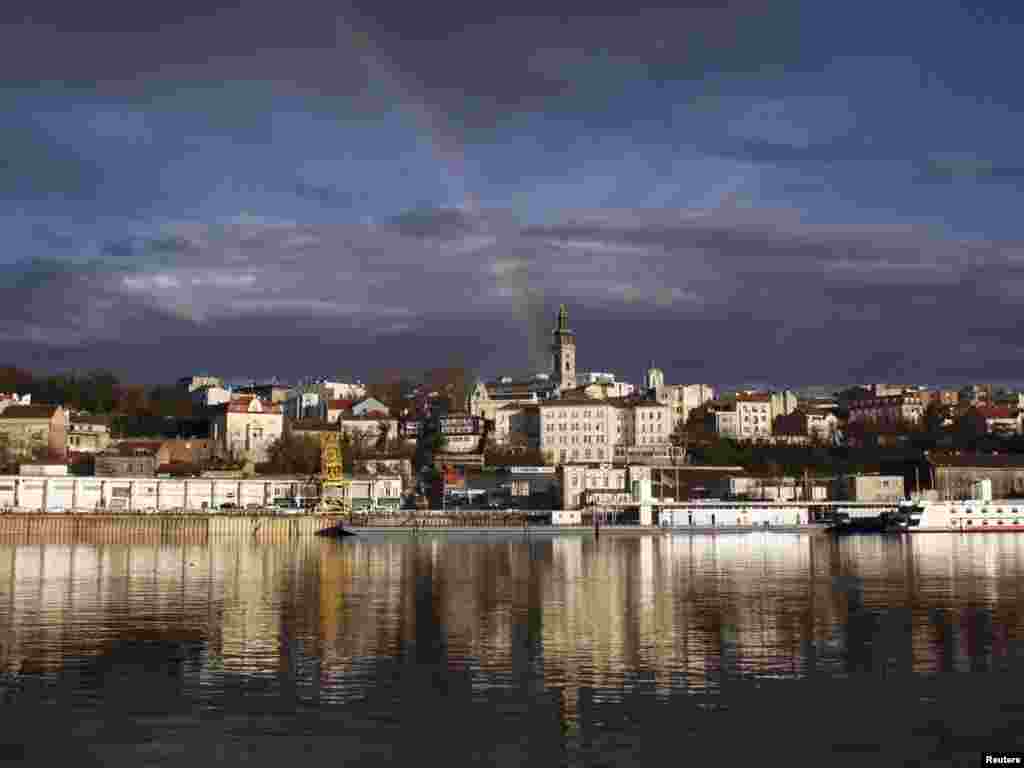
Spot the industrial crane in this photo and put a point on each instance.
(333, 483)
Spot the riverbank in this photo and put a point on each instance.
(198, 526)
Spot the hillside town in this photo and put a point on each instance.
(566, 439)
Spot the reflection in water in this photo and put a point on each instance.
(564, 640)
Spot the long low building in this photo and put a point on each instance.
(132, 494)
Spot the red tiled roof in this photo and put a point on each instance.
(339, 405)
(753, 398)
(29, 412)
(997, 412)
(133, 447)
(242, 406)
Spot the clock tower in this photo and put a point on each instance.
(563, 352)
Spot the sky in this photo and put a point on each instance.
(748, 193)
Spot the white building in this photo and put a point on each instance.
(578, 479)
(682, 398)
(341, 390)
(246, 427)
(126, 494)
(371, 427)
(581, 430)
(753, 416)
(652, 424)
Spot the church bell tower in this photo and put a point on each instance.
(563, 352)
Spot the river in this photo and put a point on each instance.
(648, 649)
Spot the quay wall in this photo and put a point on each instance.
(100, 528)
(200, 527)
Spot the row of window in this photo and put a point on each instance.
(983, 522)
(574, 427)
(587, 453)
(986, 510)
(566, 440)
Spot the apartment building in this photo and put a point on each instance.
(581, 429)
(753, 416)
(893, 409)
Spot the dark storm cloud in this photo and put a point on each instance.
(469, 65)
(723, 296)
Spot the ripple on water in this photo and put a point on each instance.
(552, 652)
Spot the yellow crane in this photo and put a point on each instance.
(333, 483)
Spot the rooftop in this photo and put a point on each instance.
(29, 412)
(982, 460)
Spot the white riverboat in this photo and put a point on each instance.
(972, 516)
(980, 514)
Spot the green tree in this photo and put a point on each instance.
(294, 454)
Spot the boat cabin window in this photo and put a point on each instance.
(970, 522)
(985, 522)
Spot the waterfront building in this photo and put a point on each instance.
(953, 476)
(139, 494)
(869, 488)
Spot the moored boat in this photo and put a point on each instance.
(970, 516)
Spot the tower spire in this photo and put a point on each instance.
(563, 318)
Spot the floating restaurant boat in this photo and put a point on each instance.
(980, 514)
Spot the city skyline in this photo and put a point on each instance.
(786, 191)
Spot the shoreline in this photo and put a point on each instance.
(264, 526)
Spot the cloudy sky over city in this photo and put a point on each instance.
(757, 191)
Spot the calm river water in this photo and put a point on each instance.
(659, 650)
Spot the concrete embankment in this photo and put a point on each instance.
(188, 527)
(201, 527)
